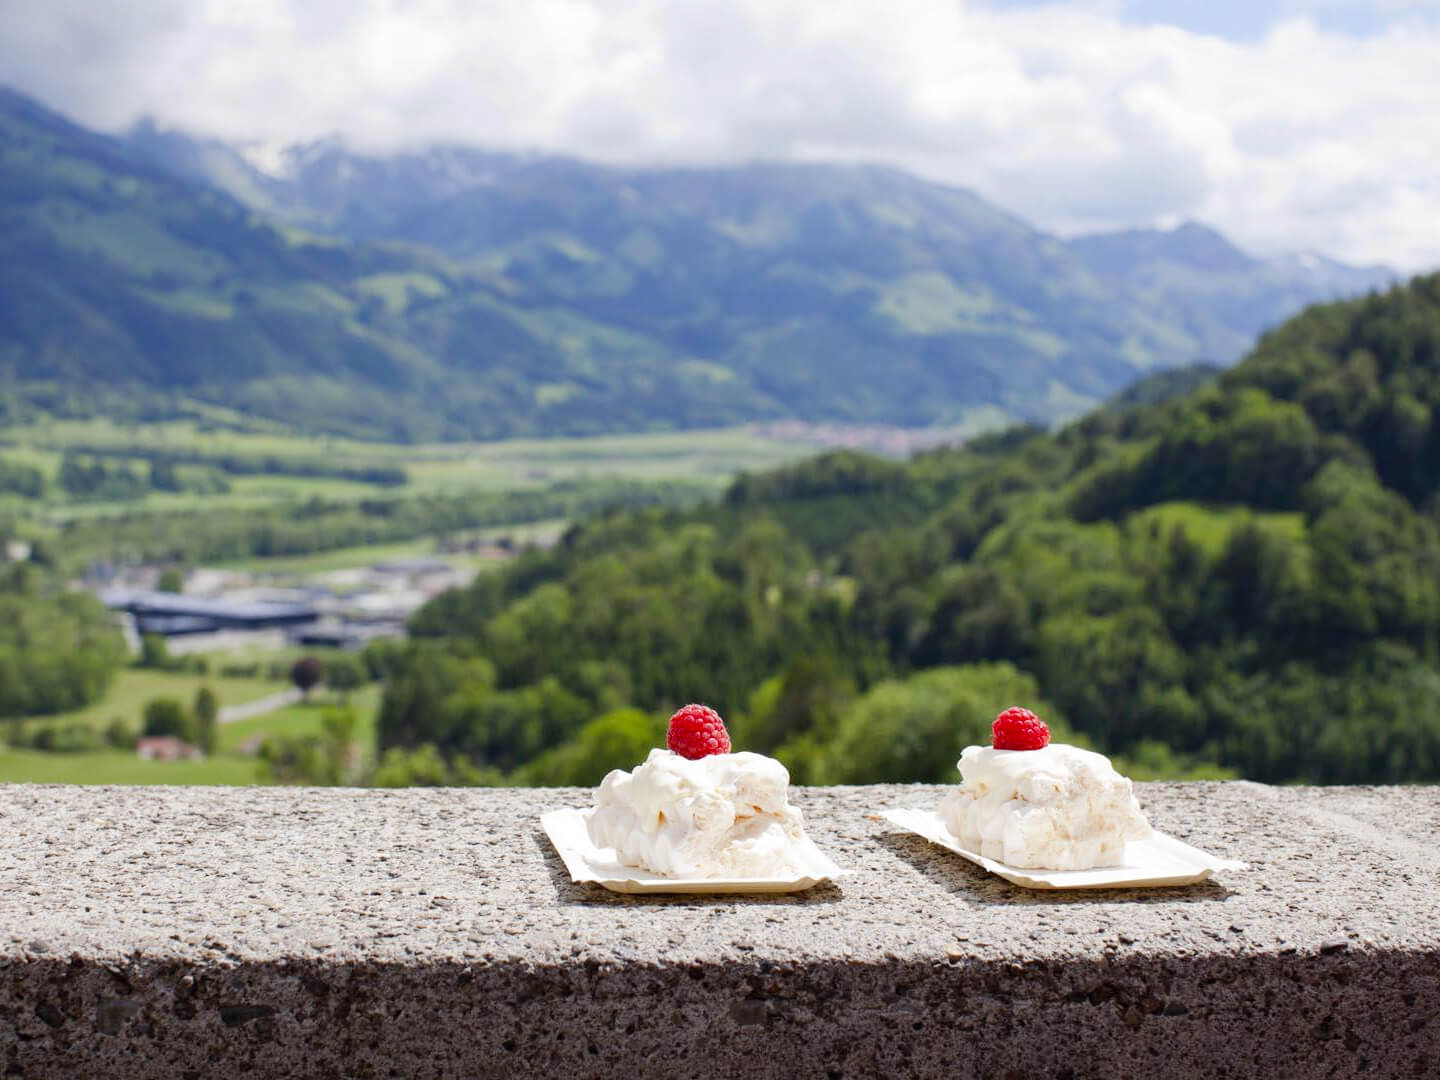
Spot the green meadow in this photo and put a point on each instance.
(121, 767)
(133, 687)
(439, 468)
(126, 699)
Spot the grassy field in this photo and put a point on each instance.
(306, 720)
(226, 766)
(439, 468)
(695, 463)
(690, 464)
(133, 687)
(708, 457)
(322, 562)
(338, 559)
(1211, 526)
(122, 767)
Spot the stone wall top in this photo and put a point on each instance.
(362, 932)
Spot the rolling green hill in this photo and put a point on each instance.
(464, 294)
(1243, 578)
(118, 281)
(769, 267)
(128, 291)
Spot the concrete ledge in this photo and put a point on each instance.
(199, 932)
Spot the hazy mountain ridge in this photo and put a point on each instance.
(122, 286)
(460, 292)
(1192, 277)
(321, 184)
(464, 202)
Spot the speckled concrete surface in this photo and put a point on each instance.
(197, 932)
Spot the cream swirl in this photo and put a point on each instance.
(716, 816)
(1057, 808)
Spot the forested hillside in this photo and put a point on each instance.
(126, 292)
(463, 295)
(1246, 577)
(716, 262)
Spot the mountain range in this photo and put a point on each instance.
(461, 293)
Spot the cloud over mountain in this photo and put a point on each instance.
(1078, 117)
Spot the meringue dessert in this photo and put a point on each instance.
(1027, 803)
(702, 812)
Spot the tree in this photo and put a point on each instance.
(420, 699)
(153, 652)
(291, 759)
(617, 740)
(508, 727)
(73, 738)
(979, 614)
(171, 581)
(162, 475)
(119, 734)
(166, 716)
(913, 730)
(322, 759)
(58, 653)
(22, 480)
(420, 767)
(344, 674)
(206, 712)
(89, 478)
(306, 674)
(1119, 678)
(807, 697)
(382, 658)
(78, 478)
(337, 731)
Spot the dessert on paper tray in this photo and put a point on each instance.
(1053, 817)
(1026, 803)
(696, 810)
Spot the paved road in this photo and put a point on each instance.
(230, 713)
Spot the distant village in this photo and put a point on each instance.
(223, 610)
(258, 611)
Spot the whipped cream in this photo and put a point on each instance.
(725, 815)
(1057, 808)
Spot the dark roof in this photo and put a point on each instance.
(164, 603)
(411, 565)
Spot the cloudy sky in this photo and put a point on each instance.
(1290, 125)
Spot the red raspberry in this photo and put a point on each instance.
(697, 731)
(1019, 729)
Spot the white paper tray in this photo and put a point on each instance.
(1154, 861)
(587, 863)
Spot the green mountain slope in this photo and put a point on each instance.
(1194, 280)
(463, 294)
(847, 293)
(125, 288)
(115, 276)
(1246, 577)
(781, 270)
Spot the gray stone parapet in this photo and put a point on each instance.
(273, 932)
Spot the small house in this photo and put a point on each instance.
(166, 748)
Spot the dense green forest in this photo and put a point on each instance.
(1245, 578)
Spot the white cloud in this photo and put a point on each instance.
(1072, 117)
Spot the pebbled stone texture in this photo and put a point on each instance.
(270, 932)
